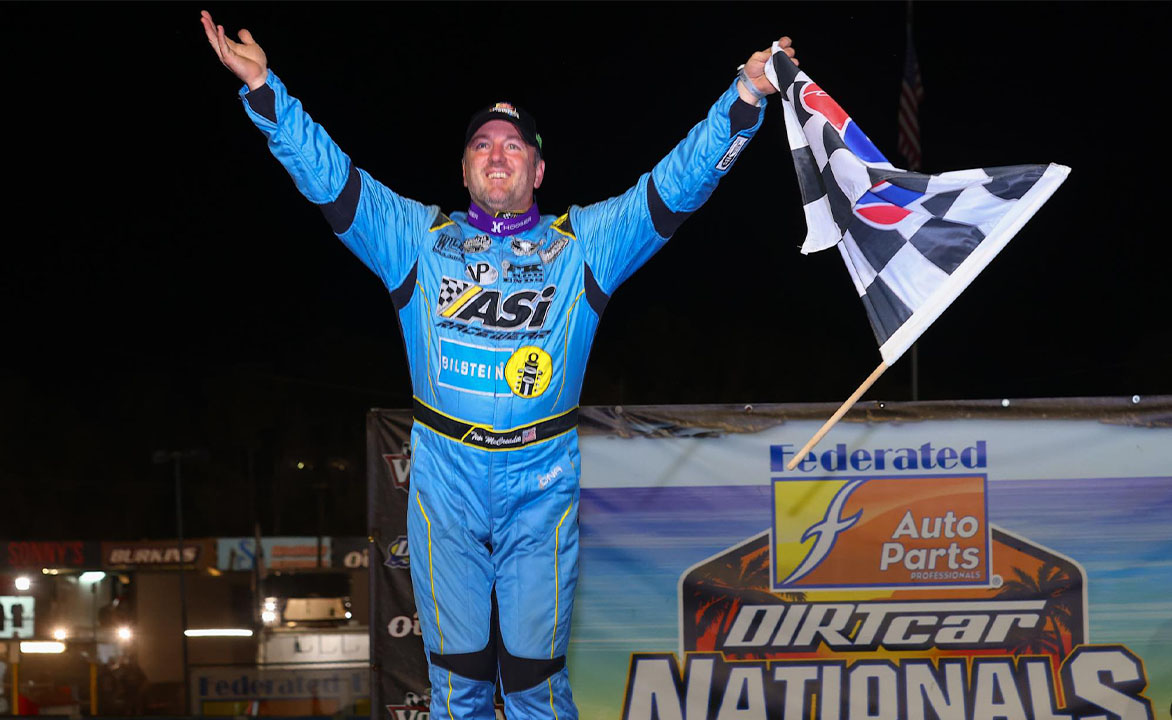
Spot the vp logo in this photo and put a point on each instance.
(481, 273)
(826, 531)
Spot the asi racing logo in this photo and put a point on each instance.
(468, 307)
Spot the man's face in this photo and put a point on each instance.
(501, 170)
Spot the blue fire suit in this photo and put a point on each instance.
(497, 331)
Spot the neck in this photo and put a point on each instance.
(503, 223)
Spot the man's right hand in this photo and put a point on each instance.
(245, 59)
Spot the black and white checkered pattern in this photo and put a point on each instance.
(912, 242)
(450, 290)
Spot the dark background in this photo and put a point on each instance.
(166, 288)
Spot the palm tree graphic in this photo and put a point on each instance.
(1061, 592)
(728, 584)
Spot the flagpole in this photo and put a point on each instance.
(850, 401)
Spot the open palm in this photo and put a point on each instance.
(245, 59)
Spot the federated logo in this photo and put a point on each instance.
(529, 371)
(880, 532)
(398, 555)
(886, 597)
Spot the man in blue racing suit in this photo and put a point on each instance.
(498, 307)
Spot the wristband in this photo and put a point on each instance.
(749, 85)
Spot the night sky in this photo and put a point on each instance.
(166, 288)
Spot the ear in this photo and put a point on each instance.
(539, 174)
(464, 171)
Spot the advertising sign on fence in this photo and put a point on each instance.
(929, 560)
(288, 691)
(278, 553)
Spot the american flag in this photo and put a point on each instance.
(911, 94)
(912, 242)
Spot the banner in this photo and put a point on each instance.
(50, 554)
(400, 683)
(197, 554)
(236, 691)
(999, 559)
(279, 553)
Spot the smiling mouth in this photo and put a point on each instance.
(498, 176)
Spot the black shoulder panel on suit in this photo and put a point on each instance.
(340, 213)
(594, 293)
(401, 295)
(665, 220)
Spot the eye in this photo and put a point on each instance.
(480, 145)
(513, 146)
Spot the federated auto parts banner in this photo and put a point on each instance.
(929, 560)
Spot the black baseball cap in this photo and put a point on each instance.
(510, 113)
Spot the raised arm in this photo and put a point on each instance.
(379, 226)
(622, 233)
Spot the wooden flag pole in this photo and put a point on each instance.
(850, 401)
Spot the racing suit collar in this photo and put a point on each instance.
(501, 224)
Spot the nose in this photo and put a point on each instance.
(497, 153)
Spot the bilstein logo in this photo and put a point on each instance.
(880, 532)
(467, 302)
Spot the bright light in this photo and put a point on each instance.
(124, 633)
(268, 616)
(219, 632)
(348, 615)
(60, 633)
(42, 647)
(300, 466)
(92, 576)
(23, 583)
(270, 603)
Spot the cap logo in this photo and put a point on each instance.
(507, 109)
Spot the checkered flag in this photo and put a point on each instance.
(912, 242)
(452, 294)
